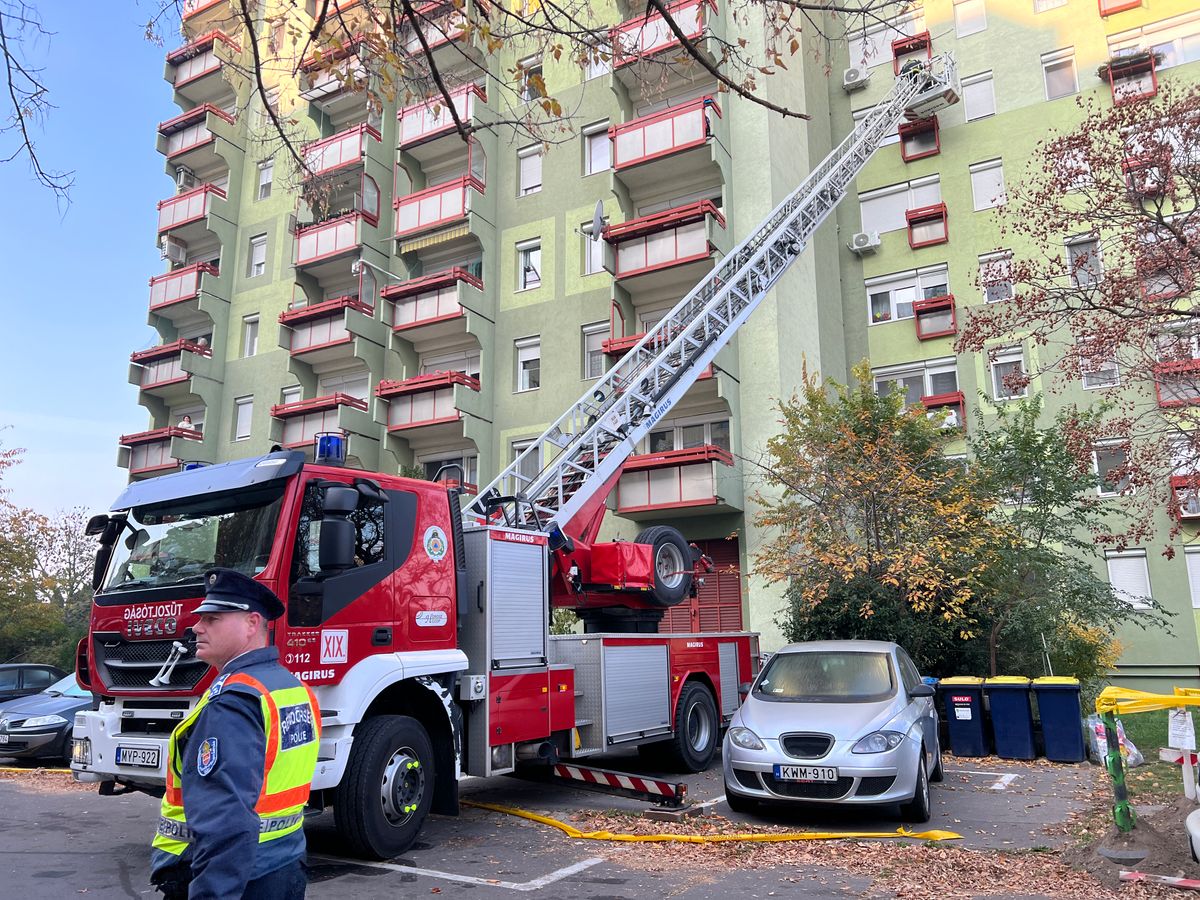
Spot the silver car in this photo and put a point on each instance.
(845, 722)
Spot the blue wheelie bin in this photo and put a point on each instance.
(962, 697)
(1062, 718)
(1012, 716)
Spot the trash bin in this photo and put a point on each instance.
(962, 697)
(1062, 718)
(1012, 716)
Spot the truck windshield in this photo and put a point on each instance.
(174, 543)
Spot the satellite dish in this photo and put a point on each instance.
(598, 220)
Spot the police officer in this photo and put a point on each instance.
(239, 766)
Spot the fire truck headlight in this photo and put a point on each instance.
(81, 751)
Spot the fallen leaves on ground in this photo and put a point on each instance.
(44, 780)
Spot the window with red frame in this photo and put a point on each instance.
(935, 317)
(927, 226)
(918, 46)
(1132, 77)
(920, 139)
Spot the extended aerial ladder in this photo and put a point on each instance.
(594, 437)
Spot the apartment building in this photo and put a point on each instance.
(440, 301)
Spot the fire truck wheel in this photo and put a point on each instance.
(383, 798)
(672, 564)
(696, 729)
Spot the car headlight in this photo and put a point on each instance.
(746, 739)
(879, 742)
(42, 722)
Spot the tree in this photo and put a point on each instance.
(1106, 231)
(64, 559)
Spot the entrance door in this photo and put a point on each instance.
(718, 604)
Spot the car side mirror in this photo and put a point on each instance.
(921, 690)
(744, 688)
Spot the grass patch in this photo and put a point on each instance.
(1148, 731)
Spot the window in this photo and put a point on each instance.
(1097, 371)
(685, 434)
(979, 96)
(290, 395)
(987, 184)
(257, 264)
(532, 85)
(860, 115)
(356, 383)
(1176, 40)
(891, 297)
(599, 58)
(249, 335)
(529, 363)
(1129, 577)
(1058, 73)
(1040, 6)
(467, 474)
(1191, 556)
(1009, 367)
(531, 464)
(919, 139)
(529, 265)
(593, 250)
(266, 173)
(884, 209)
(873, 46)
(529, 163)
(595, 363)
(464, 361)
(1083, 262)
(995, 276)
(1108, 460)
(931, 378)
(243, 412)
(970, 17)
(597, 149)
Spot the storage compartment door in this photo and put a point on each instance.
(517, 604)
(636, 698)
(728, 659)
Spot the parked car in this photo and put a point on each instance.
(837, 722)
(39, 726)
(19, 679)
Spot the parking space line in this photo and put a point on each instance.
(535, 884)
(1004, 781)
(712, 802)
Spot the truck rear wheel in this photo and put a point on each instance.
(696, 729)
(672, 561)
(385, 794)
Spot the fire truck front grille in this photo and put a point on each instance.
(129, 665)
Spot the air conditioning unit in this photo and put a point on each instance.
(185, 178)
(291, 223)
(173, 249)
(864, 242)
(855, 79)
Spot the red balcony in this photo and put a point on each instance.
(616, 347)
(149, 452)
(1185, 494)
(305, 419)
(424, 401)
(330, 239)
(952, 407)
(184, 209)
(935, 317)
(1148, 175)
(917, 46)
(196, 68)
(334, 81)
(441, 23)
(430, 119)
(919, 139)
(1108, 7)
(421, 303)
(435, 207)
(321, 327)
(1177, 383)
(179, 285)
(647, 35)
(673, 480)
(189, 131)
(663, 133)
(927, 226)
(344, 150)
(665, 239)
(1132, 77)
(162, 370)
(202, 10)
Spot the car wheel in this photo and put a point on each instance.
(918, 808)
(738, 803)
(938, 774)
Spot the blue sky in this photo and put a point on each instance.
(74, 281)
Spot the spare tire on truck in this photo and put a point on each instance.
(671, 564)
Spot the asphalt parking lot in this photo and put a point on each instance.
(56, 841)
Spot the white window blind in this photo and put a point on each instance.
(883, 209)
(594, 361)
(529, 363)
(597, 150)
(249, 335)
(266, 173)
(1192, 557)
(1058, 72)
(979, 96)
(530, 170)
(893, 138)
(987, 184)
(258, 256)
(970, 17)
(356, 384)
(1129, 577)
(243, 413)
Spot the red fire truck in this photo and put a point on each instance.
(423, 627)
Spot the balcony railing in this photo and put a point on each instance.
(1177, 383)
(668, 238)
(330, 238)
(1132, 77)
(647, 35)
(163, 365)
(198, 58)
(1147, 175)
(305, 419)
(435, 206)
(671, 480)
(332, 73)
(431, 118)
(424, 400)
(190, 130)
(322, 324)
(934, 317)
(916, 46)
(346, 148)
(150, 451)
(663, 133)
(193, 8)
(185, 208)
(179, 284)
(927, 225)
(429, 299)
(440, 22)
(951, 407)
(1185, 490)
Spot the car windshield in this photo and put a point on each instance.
(176, 542)
(68, 686)
(827, 676)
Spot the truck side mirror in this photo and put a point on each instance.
(96, 525)
(335, 550)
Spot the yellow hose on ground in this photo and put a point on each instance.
(571, 831)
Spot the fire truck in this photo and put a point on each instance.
(423, 624)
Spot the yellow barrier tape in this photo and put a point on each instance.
(1127, 700)
(571, 831)
(17, 769)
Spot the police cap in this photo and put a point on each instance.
(227, 590)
